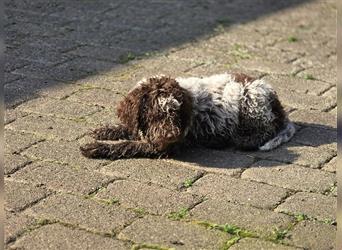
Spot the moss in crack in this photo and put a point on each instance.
(292, 39)
(231, 242)
(181, 214)
(150, 246)
(300, 217)
(240, 52)
(188, 183)
(140, 211)
(309, 77)
(125, 58)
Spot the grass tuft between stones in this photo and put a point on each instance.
(150, 246)
(181, 214)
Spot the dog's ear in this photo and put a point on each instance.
(129, 109)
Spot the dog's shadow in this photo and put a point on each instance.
(310, 139)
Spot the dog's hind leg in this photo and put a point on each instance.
(110, 133)
(126, 149)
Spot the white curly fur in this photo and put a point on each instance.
(216, 105)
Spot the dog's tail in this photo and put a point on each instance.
(283, 136)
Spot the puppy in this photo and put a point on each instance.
(161, 113)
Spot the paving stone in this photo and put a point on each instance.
(290, 176)
(62, 72)
(100, 52)
(116, 79)
(133, 194)
(268, 67)
(332, 93)
(102, 97)
(161, 172)
(10, 77)
(13, 63)
(40, 53)
(173, 234)
(59, 108)
(105, 117)
(331, 166)
(313, 157)
(50, 127)
(312, 235)
(16, 224)
(296, 84)
(219, 161)
(31, 87)
(63, 152)
(315, 136)
(63, 178)
(261, 221)
(307, 102)
(315, 205)
(326, 74)
(240, 191)
(90, 65)
(20, 195)
(24, 89)
(83, 213)
(17, 141)
(333, 111)
(250, 243)
(56, 236)
(13, 162)
(314, 118)
(11, 115)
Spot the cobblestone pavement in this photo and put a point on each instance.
(69, 62)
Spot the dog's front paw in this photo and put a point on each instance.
(99, 133)
(94, 150)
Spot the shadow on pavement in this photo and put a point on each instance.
(50, 43)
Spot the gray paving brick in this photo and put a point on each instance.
(59, 108)
(314, 118)
(13, 162)
(56, 236)
(315, 205)
(250, 243)
(50, 127)
(83, 213)
(315, 136)
(161, 172)
(307, 102)
(332, 93)
(104, 117)
(173, 234)
(261, 221)
(312, 235)
(62, 72)
(63, 178)
(313, 157)
(100, 52)
(11, 115)
(326, 74)
(63, 152)
(290, 176)
(10, 77)
(331, 166)
(268, 66)
(20, 195)
(102, 97)
(133, 194)
(16, 224)
(297, 84)
(225, 162)
(16, 141)
(240, 191)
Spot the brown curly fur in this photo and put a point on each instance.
(148, 130)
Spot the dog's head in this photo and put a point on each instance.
(158, 110)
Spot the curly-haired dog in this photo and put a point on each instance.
(161, 113)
